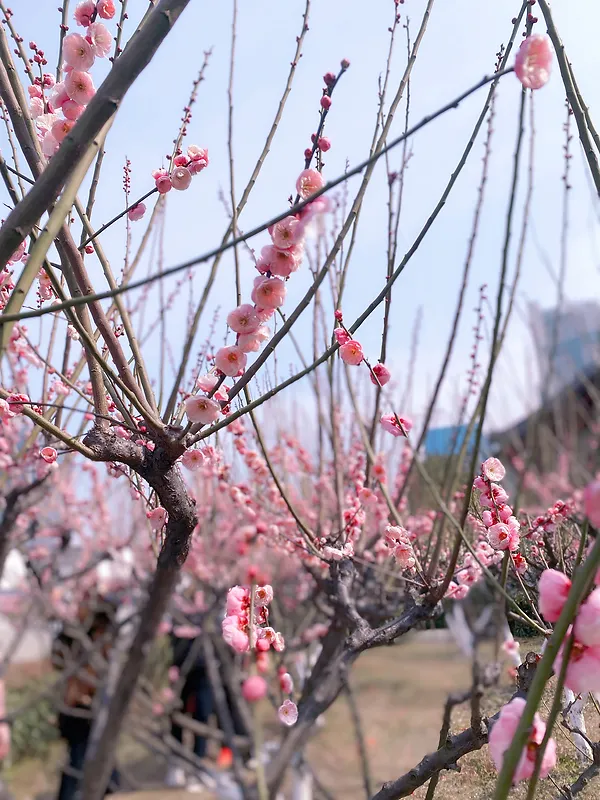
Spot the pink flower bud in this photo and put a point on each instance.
(254, 688)
(49, 454)
(326, 102)
(324, 144)
(382, 375)
(329, 78)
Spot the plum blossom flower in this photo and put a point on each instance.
(254, 688)
(157, 517)
(136, 212)
(398, 540)
(72, 110)
(397, 426)
(286, 683)
(17, 402)
(202, 409)
(251, 342)
(591, 503)
(309, 181)
(230, 360)
(49, 454)
(587, 623)
(79, 86)
(162, 181)
(502, 734)
(341, 335)
(269, 292)
(351, 352)
(233, 634)
(263, 595)
(181, 178)
(84, 13)
(287, 232)
(382, 375)
(583, 671)
(192, 459)
(100, 39)
(61, 128)
(493, 469)
(105, 8)
(534, 61)
(503, 537)
(288, 713)
(243, 319)
(554, 588)
(280, 262)
(77, 52)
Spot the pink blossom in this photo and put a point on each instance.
(105, 8)
(136, 212)
(192, 459)
(352, 352)
(309, 181)
(49, 454)
(591, 503)
(263, 595)
(280, 262)
(501, 537)
(286, 683)
(554, 588)
(230, 360)
(534, 61)
(587, 622)
(181, 178)
(341, 336)
(503, 732)
(269, 292)
(324, 143)
(173, 674)
(288, 713)
(36, 107)
(77, 52)
(162, 181)
(382, 375)
(157, 517)
(233, 634)
(5, 412)
(251, 342)
(61, 128)
(202, 409)
(100, 39)
(287, 232)
(72, 110)
(49, 145)
(243, 319)
(254, 688)
(397, 426)
(17, 402)
(493, 469)
(84, 12)
(80, 87)
(238, 598)
(207, 382)
(583, 672)
(198, 157)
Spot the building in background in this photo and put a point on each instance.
(449, 440)
(567, 343)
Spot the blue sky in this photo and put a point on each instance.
(458, 49)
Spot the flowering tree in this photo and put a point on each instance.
(314, 547)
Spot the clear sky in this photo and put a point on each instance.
(458, 49)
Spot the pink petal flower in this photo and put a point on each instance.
(230, 360)
(269, 293)
(137, 212)
(157, 518)
(583, 672)
(309, 181)
(106, 9)
(243, 319)
(534, 61)
(181, 178)
(72, 110)
(49, 454)
(251, 342)
(288, 713)
(100, 39)
(554, 589)
(493, 469)
(192, 459)
(80, 87)
(587, 622)
(287, 232)
(352, 352)
(84, 12)
(254, 688)
(77, 52)
(341, 336)
(395, 425)
(202, 409)
(382, 374)
(503, 732)
(286, 683)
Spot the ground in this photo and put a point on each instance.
(401, 693)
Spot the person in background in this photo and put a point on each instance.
(88, 642)
(197, 700)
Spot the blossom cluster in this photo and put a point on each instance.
(503, 528)
(56, 107)
(276, 264)
(179, 177)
